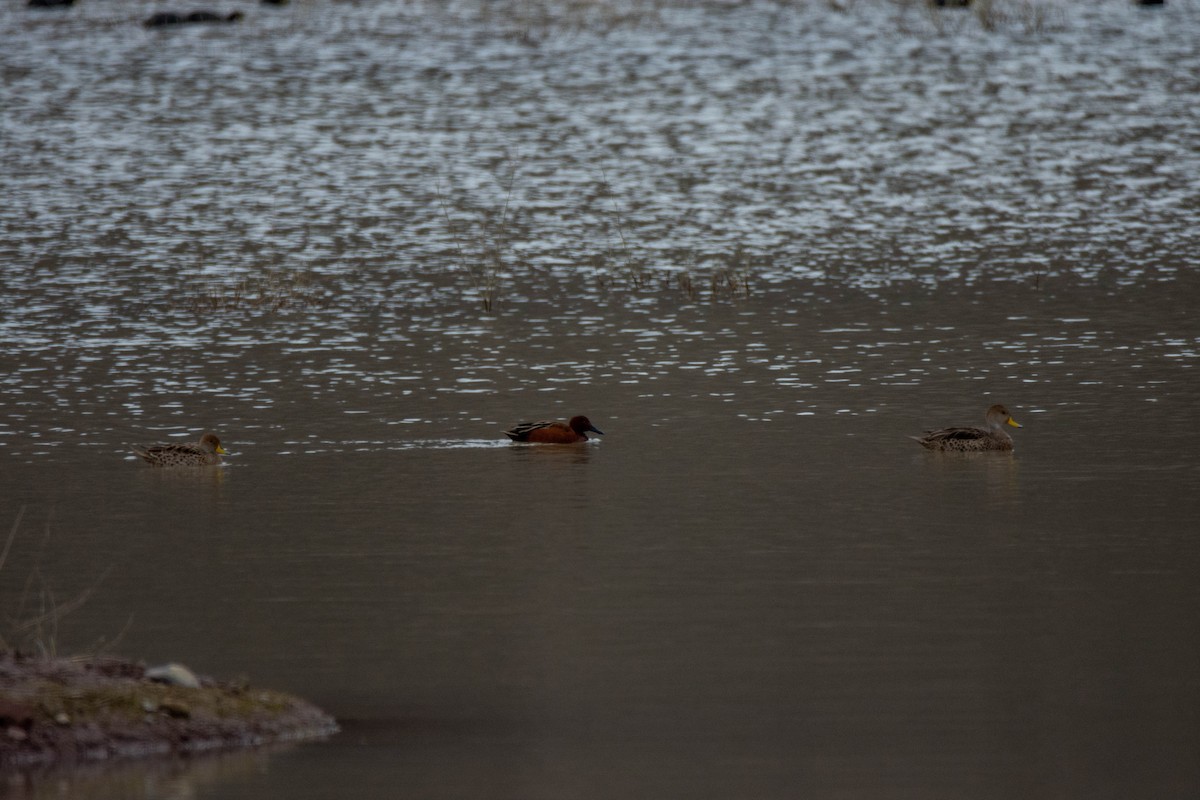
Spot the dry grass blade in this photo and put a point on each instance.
(56, 611)
(36, 621)
(633, 270)
(486, 269)
(12, 534)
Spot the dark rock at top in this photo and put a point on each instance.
(172, 18)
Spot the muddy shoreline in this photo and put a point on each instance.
(93, 709)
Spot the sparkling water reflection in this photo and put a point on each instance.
(759, 244)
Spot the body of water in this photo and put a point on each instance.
(759, 244)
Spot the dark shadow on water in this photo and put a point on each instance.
(153, 778)
(555, 453)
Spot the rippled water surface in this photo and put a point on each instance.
(759, 244)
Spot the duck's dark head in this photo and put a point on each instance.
(582, 425)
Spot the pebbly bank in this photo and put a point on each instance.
(87, 709)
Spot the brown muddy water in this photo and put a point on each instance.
(759, 244)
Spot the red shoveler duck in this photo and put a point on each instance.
(574, 430)
(972, 440)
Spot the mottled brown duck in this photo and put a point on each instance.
(206, 452)
(972, 440)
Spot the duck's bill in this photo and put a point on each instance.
(1013, 422)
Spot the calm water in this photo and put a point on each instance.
(759, 245)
